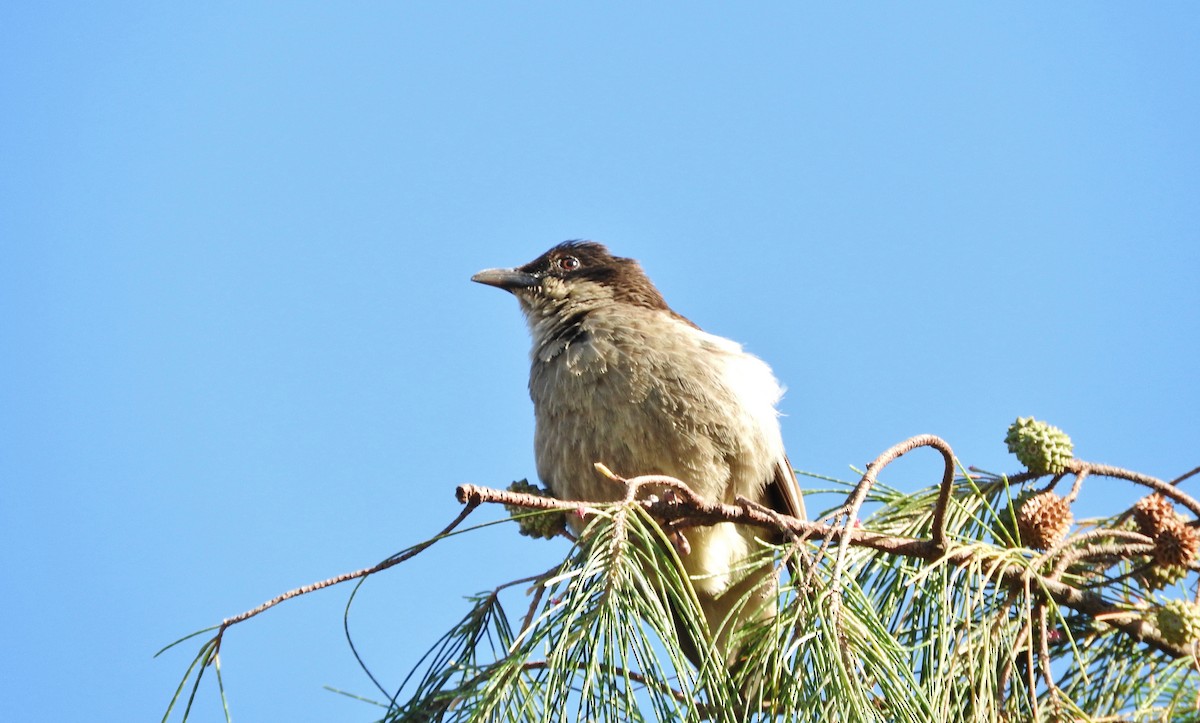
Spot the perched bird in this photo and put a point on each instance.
(618, 377)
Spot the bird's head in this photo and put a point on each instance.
(574, 278)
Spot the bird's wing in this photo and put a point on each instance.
(783, 493)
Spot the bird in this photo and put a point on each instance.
(620, 378)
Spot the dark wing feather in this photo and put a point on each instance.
(783, 492)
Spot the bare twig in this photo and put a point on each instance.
(1075, 488)
(1053, 482)
(1185, 475)
(346, 576)
(538, 592)
(1167, 490)
(1080, 548)
(859, 495)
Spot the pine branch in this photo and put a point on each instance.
(908, 615)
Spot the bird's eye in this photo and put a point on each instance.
(568, 263)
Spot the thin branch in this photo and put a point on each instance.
(539, 591)
(895, 452)
(1053, 482)
(346, 576)
(1167, 490)
(1138, 544)
(1077, 486)
(1184, 476)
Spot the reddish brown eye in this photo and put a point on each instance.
(568, 263)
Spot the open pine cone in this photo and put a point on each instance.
(1152, 514)
(1176, 545)
(1044, 520)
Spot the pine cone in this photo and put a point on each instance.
(1042, 448)
(547, 524)
(1176, 544)
(1153, 513)
(1044, 520)
(1179, 622)
(1156, 577)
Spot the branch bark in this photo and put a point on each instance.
(683, 508)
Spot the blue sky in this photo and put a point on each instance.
(242, 352)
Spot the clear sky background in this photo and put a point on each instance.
(240, 351)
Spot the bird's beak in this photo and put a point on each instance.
(508, 279)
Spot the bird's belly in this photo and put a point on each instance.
(606, 417)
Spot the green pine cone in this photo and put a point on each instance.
(1042, 448)
(1179, 622)
(1156, 577)
(544, 525)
